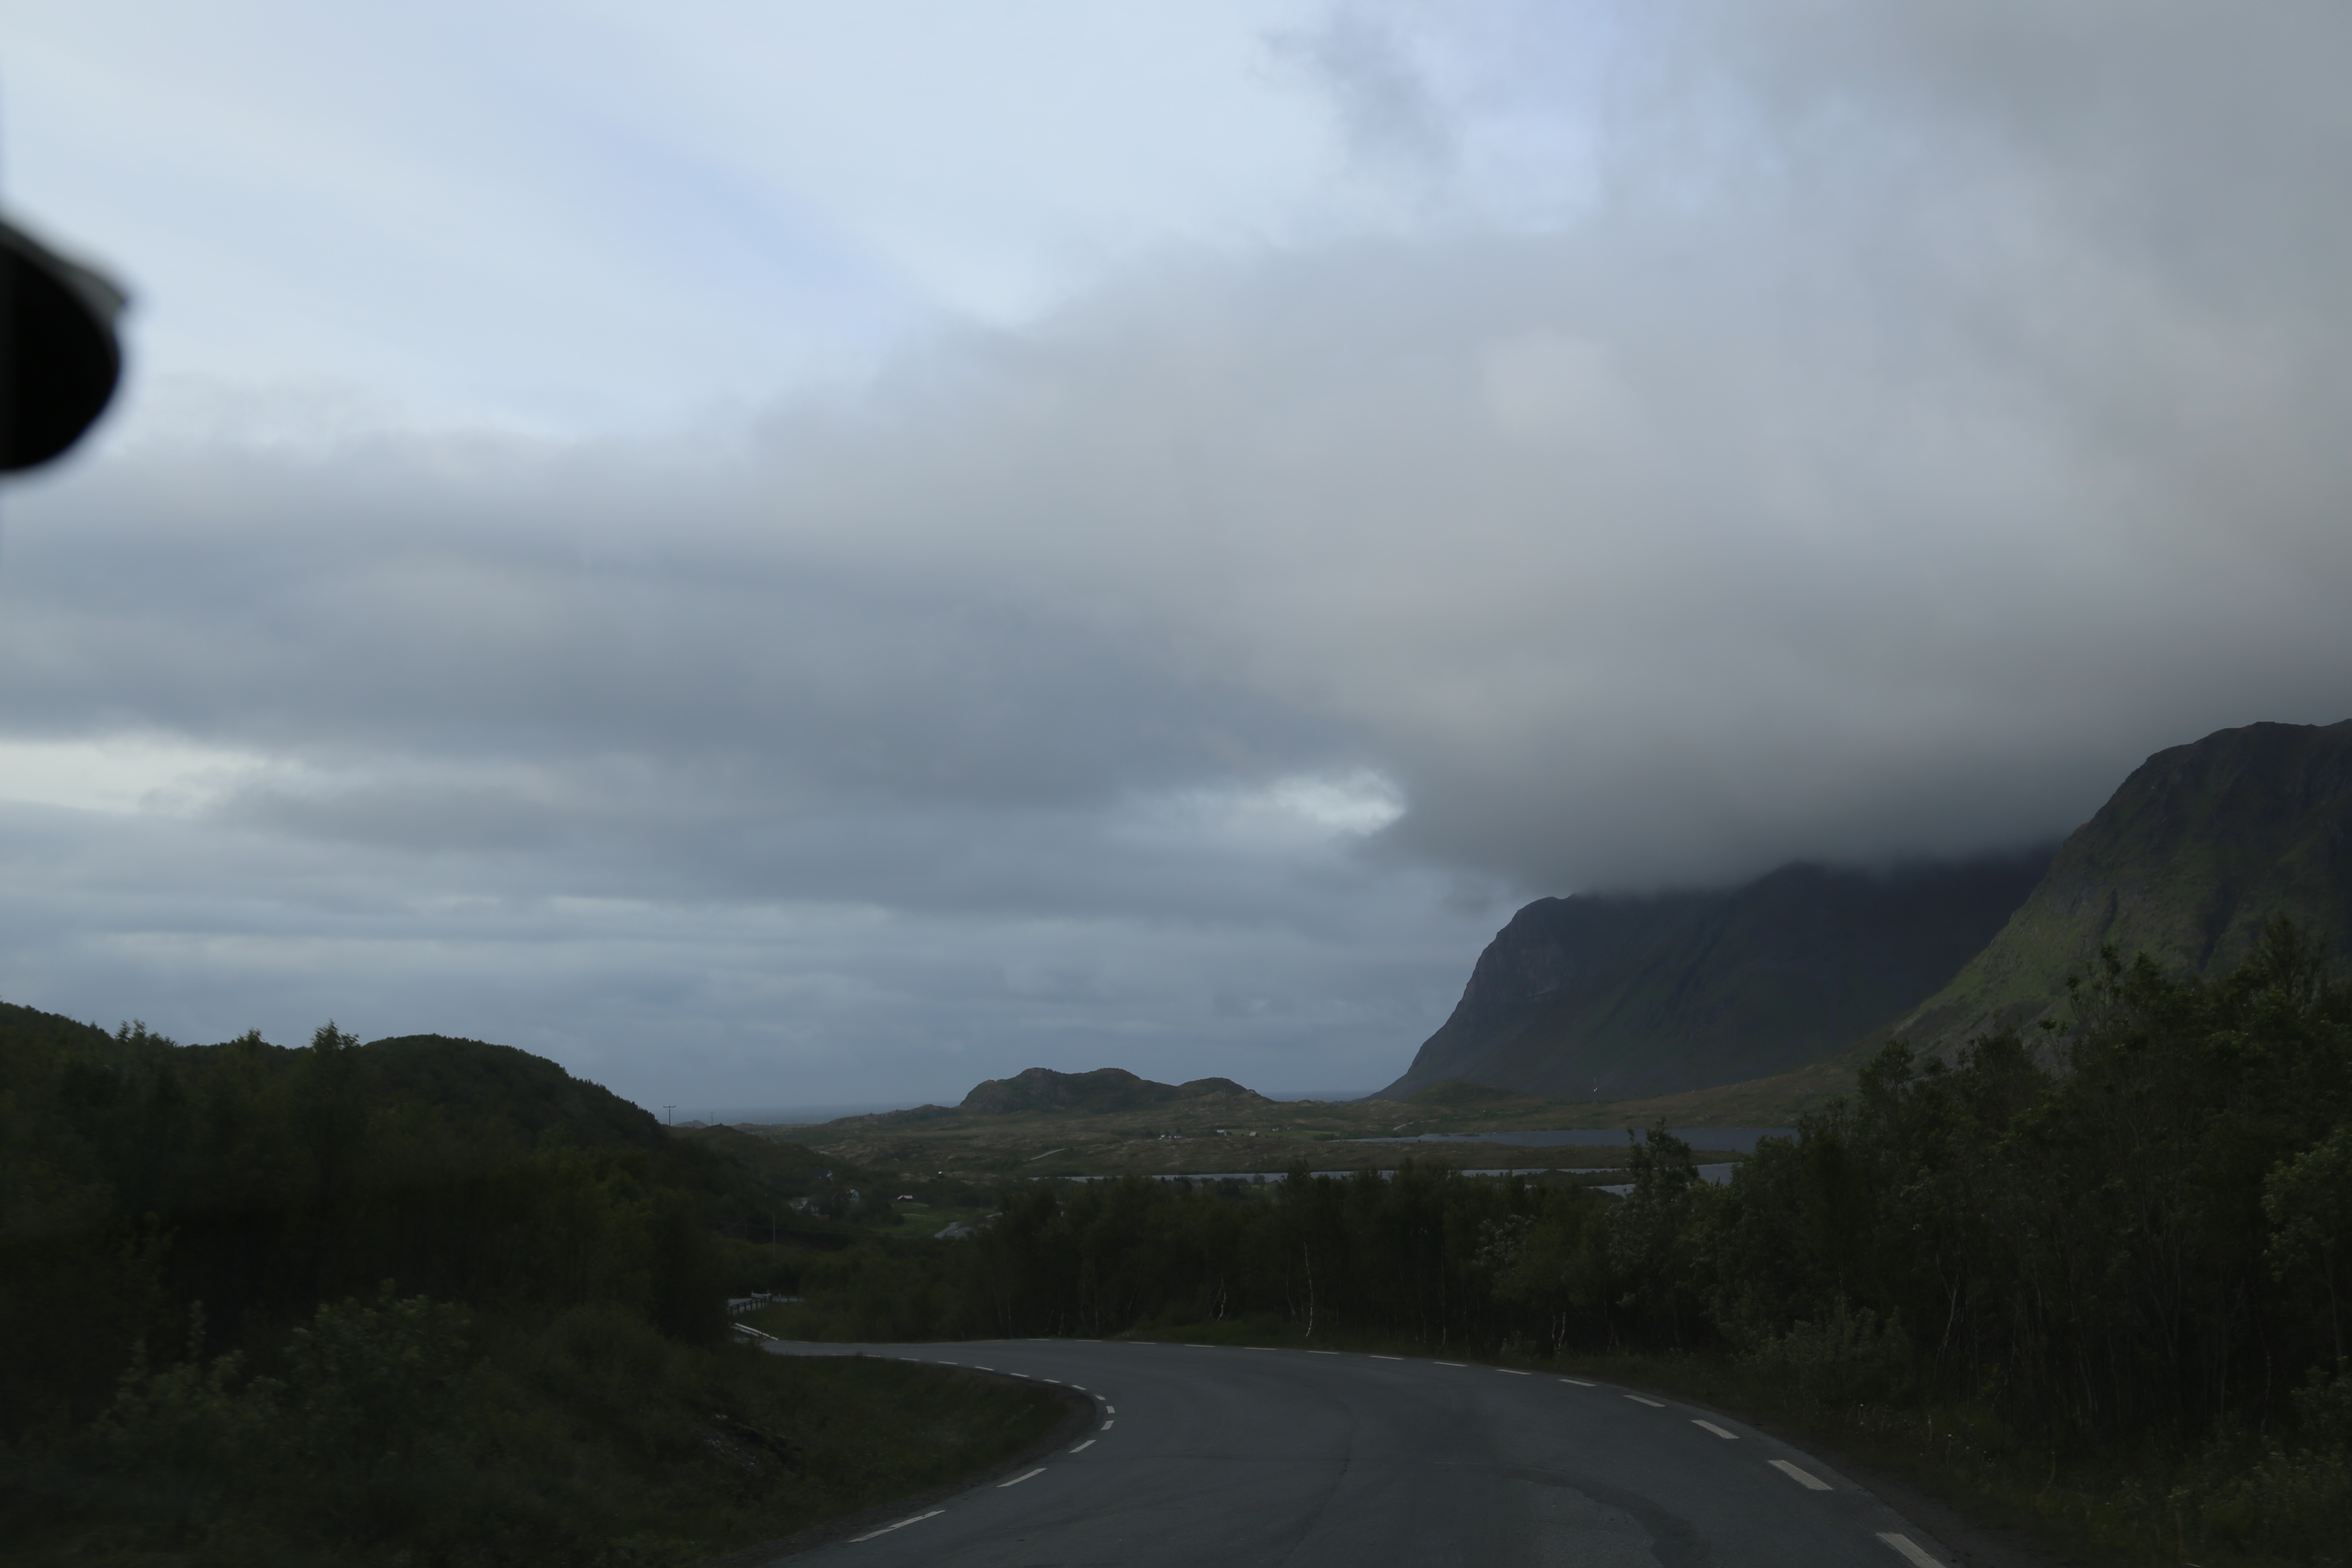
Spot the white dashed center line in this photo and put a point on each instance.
(1717, 1430)
(1377, 1356)
(1322, 1352)
(1083, 1446)
(1111, 1409)
(1514, 1371)
(901, 1525)
(1580, 1383)
(1454, 1363)
(1018, 1479)
(1653, 1404)
(1805, 1478)
(1911, 1549)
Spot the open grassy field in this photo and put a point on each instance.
(1220, 1133)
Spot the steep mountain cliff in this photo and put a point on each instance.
(1614, 996)
(2200, 845)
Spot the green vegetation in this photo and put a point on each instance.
(2201, 846)
(420, 1302)
(2113, 1297)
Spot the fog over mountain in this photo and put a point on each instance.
(1170, 626)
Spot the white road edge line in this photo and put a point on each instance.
(1083, 1446)
(1653, 1404)
(1580, 1383)
(1717, 1430)
(1018, 1479)
(903, 1525)
(1805, 1478)
(1911, 1549)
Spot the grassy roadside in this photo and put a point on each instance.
(2122, 1514)
(596, 1443)
(2132, 1509)
(1960, 1459)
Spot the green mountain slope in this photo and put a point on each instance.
(2200, 845)
(1616, 996)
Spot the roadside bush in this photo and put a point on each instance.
(1848, 1357)
(2297, 1506)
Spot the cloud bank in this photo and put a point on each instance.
(1887, 428)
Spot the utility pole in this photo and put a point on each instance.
(668, 1117)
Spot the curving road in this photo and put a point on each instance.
(1235, 1457)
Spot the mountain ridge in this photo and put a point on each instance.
(1617, 997)
(2199, 846)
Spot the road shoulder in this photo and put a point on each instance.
(1079, 1415)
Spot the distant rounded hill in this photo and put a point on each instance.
(1106, 1091)
(1103, 1091)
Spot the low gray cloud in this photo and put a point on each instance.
(1935, 415)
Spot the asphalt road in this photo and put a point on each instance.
(1236, 1458)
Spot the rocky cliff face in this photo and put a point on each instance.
(1615, 996)
(2201, 844)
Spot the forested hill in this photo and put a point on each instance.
(2201, 845)
(532, 1093)
(424, 1303)
(139, 1176)
(1616, 996)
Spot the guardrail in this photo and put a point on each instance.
(738, 1305)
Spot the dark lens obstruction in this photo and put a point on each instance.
(59, 357)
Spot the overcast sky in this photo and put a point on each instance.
(793, 554)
